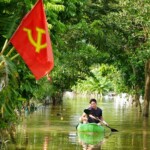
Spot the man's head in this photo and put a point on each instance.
(93, 103)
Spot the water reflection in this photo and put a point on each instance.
(53, 128)
(92, 139)
(46, 141)
(146, 135)
(72, 137)
(21, 143)
(93, 142)
(91, 147)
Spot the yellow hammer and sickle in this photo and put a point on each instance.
(37, 44)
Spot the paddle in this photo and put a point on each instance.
(87, 111)
(112, 129)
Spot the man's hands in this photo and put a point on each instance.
(101, 121)
(105, 123)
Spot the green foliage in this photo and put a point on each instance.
(8, 98)
(44, 88)
(103, 79)
(133, 40)
(113, 35)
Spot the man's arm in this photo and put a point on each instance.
(101, 120)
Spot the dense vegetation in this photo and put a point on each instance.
(93, 42)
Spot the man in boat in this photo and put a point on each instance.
(93, 113)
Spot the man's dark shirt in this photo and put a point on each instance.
(96, 113)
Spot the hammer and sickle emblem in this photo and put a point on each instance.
(37, 44)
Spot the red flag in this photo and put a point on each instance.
(32, 41)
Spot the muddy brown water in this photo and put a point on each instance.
(53, 128)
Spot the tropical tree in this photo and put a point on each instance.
(132, 29)
(102, 80)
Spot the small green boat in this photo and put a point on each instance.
(90, 127)
(90, 133)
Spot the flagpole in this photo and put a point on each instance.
(5, 46)
(15, 56)
(12, 58)
(11, 50)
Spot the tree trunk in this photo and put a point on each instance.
(137, 98)
(138, 104)
(147, 89)
(57, 98)
(137, 89)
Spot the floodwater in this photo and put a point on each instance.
(54, 128)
